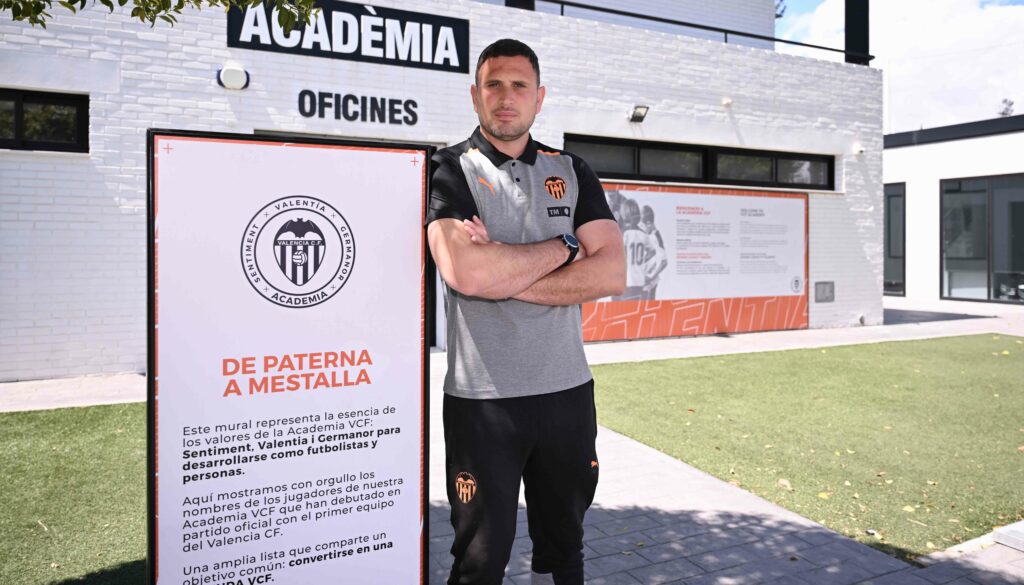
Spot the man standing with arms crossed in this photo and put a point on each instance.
(521, 234)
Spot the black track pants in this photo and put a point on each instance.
(547, 441)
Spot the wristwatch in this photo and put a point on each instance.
(572, 244)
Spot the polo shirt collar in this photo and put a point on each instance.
(497, 157)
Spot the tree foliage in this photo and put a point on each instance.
(36, 12)
(1007, 109)
(780, 8)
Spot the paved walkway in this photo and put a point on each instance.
(658, 520)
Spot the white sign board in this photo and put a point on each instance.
(287, 361)
(718, 246)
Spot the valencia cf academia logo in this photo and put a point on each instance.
(298, 251)
(465, 487)
(555, 187)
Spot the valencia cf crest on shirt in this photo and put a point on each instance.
(555, 186)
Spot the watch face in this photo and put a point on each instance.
(571, 240)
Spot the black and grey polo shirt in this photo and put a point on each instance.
(503, 349)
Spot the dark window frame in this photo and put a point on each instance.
(988, 245)
(709, 157)
(903, 196)
(80, 102)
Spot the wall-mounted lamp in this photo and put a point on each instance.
(858, 148)
(727, 102)
(233, 77)
(638, 114)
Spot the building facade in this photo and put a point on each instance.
(955, 212)
(73, 205)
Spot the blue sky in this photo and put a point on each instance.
(942, 61)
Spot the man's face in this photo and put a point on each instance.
(508, 97)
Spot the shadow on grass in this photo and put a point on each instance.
(638, 544)
(130, 573)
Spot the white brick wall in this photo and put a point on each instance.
(73, 226)
(750, 16)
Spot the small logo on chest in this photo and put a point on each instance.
(558, 212)
(555, 187)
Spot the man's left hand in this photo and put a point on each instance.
(477, 230)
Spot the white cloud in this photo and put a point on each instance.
(943, 61)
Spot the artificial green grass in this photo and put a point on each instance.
(73, 495)
(920, 442)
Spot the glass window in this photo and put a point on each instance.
(965, 240)
(670, 163)
(618, 158)
(35, 120)
(802, 172)
(7, 119)
(894, 239)
(1008, 238)
(50, 122)
(741, 167)
(604, 158)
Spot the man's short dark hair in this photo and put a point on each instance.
(508, 48)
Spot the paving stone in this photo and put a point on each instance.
(438, 514)
(943, 573)
(626, 525)
(596, 516)
(617, 544)
(993, 556)
(441, 560)
(676, 531)
(749, 552)
(730, 557)
(757, 572)
(711, 541)
(620, 512)
(833, 553)
(904, 577)
(617, 563)
(439, 577)
(441, 543)
(518, 564)
(616, 579)
(876, 560)
(997, 577)
(441, 529)
(818, 536)
(666, 572)
(846, 573)
(522, 545)
(787, 580)
(520, 579)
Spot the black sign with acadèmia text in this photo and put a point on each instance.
(358, 32)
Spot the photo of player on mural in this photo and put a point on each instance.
(659, 261)
(645, 249)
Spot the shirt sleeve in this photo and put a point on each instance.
(591, 203)
(449, 194)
